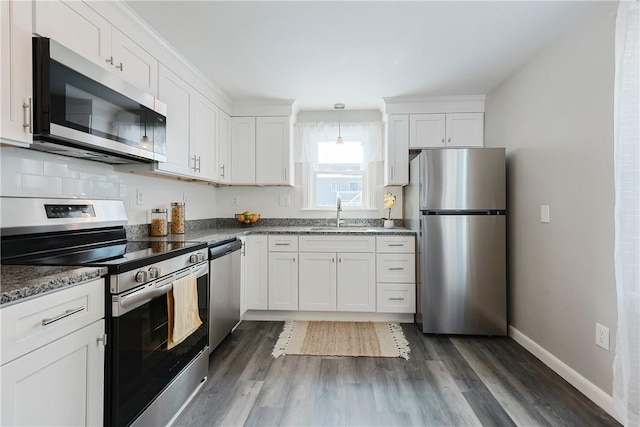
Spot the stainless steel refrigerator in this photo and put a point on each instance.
(456, 202)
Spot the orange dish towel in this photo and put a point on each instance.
(182, 305)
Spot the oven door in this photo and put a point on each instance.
(139, 364)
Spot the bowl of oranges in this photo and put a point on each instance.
(247, 217)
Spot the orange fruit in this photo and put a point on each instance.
(255, 217)
(241, 218)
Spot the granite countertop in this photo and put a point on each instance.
(217, 235)
(19, 282)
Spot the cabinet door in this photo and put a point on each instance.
(15, 70)
(273, 151)
(75, 25)
(58, 384)
(177, 94)
(205, 122)
(223, 148)
(256, 258)
(426, 130)
(356, 282)
(396, 171)
(283, 281)
(465, 130)
(133, 63)
(243, 150)
(317, 281)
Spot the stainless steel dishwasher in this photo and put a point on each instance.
(224, 290)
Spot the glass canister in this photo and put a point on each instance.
(159, 225)
(177, 217)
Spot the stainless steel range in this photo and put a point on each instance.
(146, 383)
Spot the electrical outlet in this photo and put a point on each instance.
(545, 216)
(602, 336)
(139, 197)
(235, 200)
(285, 200)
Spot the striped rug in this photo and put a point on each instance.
(370, 339)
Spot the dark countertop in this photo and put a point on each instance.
(21, 282)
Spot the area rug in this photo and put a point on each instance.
(370, 339)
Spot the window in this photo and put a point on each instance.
(347, 170)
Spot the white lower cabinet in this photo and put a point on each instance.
(59, 384)
(342, 281)
(356, 282)
(52, 370)
(396, 274)
(256, 272)
(283, 281)
(318, 281)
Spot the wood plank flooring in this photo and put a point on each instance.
(449, 381)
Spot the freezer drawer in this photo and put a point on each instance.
(463, 274)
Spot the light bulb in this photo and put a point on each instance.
(144, 142)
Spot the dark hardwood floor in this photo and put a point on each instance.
(454, 381)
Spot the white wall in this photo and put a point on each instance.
(555, 117)
(31, 173)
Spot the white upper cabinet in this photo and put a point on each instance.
(446, 130)
(133, 63)
(396, 170)
(16, 88)
(427, 130)
(243, 150)
(203, 150)
(223, 148)
(465, 130)
(77, 26)
(273, 151)
(177, 94)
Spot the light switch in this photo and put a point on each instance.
(235, 200)
(285, 200)
(544, 214)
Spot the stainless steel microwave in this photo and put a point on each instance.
(82, 110)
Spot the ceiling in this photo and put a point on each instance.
(357, 52)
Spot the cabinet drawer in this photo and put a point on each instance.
(317, 243)
(283, 243)
(396, 268)
(396, 244)
(396, 298)
(63, 312)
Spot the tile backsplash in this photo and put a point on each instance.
(29, 173)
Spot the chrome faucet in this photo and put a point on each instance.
(338, 209)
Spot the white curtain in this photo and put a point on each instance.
(307, 135)
(626, 372)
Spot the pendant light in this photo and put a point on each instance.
(339, 107)
(144, 141)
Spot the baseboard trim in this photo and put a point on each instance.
(281, 315)
(584, 386)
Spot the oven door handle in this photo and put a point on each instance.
(144, 295)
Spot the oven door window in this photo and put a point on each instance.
(140, 362)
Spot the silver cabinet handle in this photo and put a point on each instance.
(222, 174)
(395, 268)
(67, 313)
(449, 140)
(197, 162)
(339, 259)
(294, 259)
(396, 244)
(102, 339)
(110, 60)
(120, 67)
(26, 111)
(194, 164)
(333, 260)
(282, 244)
(443, 140)
(396, 299)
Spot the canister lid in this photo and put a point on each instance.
(158, 211)
(177, 203)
